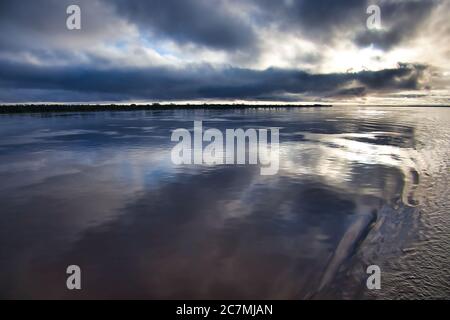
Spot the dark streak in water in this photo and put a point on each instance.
(348, 245)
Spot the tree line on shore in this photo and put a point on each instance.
(30, 108)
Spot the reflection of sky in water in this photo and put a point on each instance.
(99, 190)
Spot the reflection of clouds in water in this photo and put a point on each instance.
(340, 161)
(62, 194)
(80, 191)
(119, 208)
(176, 227)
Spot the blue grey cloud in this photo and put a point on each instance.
(195, 82)
(203, 22)
(42, 61)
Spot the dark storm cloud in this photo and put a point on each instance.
(203, 22)
(331, 20)
(212, 23)
(194, 82)
(355, 91)
(39, 27)
(318, 18)
(209, 23)
(40, 60)
(402, 20)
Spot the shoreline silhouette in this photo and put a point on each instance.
(42, 108)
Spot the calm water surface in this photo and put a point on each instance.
(356, 186)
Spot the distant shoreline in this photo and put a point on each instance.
(44, 108)
(67, 108)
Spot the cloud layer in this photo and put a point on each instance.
(220, 50)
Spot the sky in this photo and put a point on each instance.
(300, 51)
